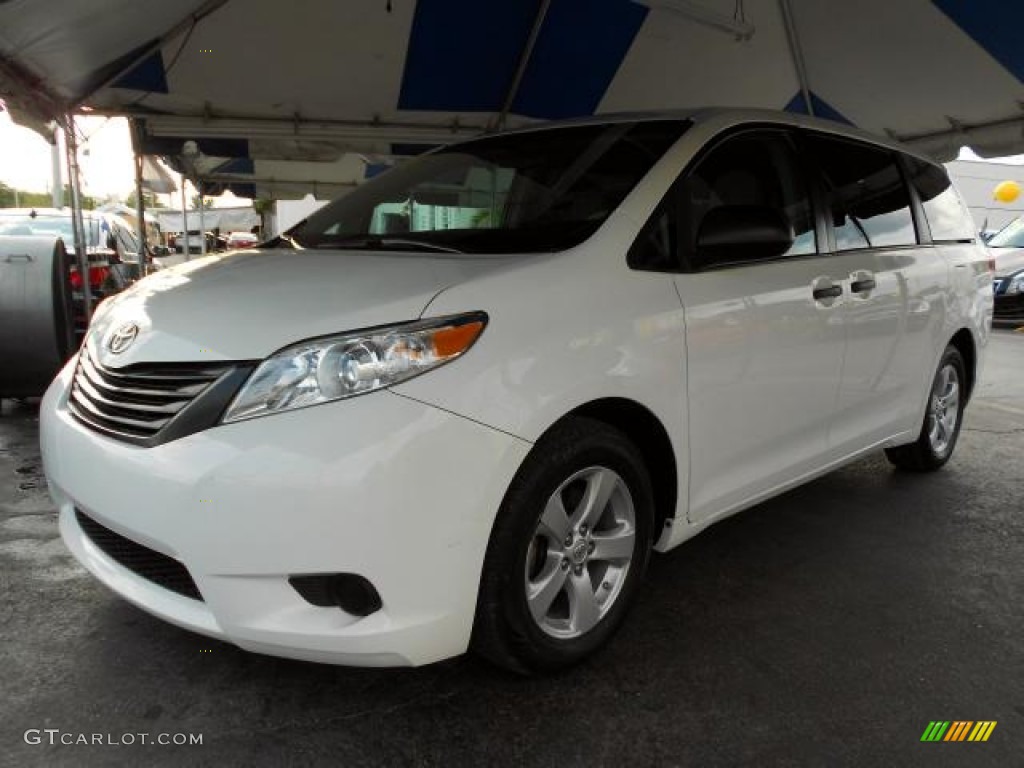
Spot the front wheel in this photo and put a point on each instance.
(569, 548)
(942, 419)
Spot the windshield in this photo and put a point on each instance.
(542, 190)
(1010, 236)
(47, 225)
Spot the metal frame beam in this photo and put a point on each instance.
(524, 62)
(77, 223)
(796, 53)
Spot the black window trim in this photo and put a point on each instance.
(898, 155)
(813, 177)
(925, 225)
(674, 199)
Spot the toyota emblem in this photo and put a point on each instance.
(122, 338)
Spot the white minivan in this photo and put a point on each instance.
(458, 407)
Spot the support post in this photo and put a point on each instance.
(202, 219)
(58, 184)
(184, 221)
(140, 205)
(796, 53)
(77, 223)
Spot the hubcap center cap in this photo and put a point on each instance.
(579, 552)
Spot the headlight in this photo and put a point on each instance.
(1016, 284)
(336, 367)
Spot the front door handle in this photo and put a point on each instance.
(830, 292)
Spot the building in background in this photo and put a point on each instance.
(977, 181)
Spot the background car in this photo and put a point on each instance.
(111, 250)
(1007, 247)
(238, 240)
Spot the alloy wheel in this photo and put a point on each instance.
(944, 409)
(580, 553)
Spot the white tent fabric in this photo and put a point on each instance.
(311, 81)
(225, 219)
(155, 178)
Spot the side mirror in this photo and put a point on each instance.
(111, 242)
(743, 233)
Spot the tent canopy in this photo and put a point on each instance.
(304, 93)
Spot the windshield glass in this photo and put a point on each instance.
(543, 190)
(47, 225)
(1010, 236)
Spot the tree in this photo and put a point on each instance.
(148, 199)
(7, 199)
(263, 206)
(205, 202)
(10, 198)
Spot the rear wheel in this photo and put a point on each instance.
(568, 551)
(942, 419)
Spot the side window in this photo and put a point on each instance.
(868, 200)
(948, 218)
(751, 169)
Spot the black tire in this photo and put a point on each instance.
(505, 631)
(923, 455)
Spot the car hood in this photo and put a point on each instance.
(1008, 260)
(248, 304)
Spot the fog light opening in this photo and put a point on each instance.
(351, 592)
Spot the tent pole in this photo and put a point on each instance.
(57, 193)
(202, 219)
(524, 60)
(184, 220)
(77, 223)
(140, 205)
(795, 51)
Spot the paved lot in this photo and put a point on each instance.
(826, 627)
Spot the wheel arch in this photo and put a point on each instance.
(651, 438)
(963, 341)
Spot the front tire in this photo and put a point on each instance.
(568, 551)
(942, 420)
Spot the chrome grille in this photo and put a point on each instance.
(137, 401)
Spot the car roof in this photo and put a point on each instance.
(732, 116)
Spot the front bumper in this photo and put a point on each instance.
(383, 486)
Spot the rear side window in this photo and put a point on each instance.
(948, 217)
(868, 201)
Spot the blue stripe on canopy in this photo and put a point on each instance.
(578, 53)
(410, 150)
(822, 108)
(240, 165)
(148, 75)
(995, 25)
(462, 55)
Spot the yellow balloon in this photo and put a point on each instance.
(1007, 191)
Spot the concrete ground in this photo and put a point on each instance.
(825, 627)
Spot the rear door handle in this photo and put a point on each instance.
(862, 286)
(831, 292)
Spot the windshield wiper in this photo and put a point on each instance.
(372, 242)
